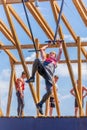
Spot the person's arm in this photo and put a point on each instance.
(84, 90)
(84, 95)
(72, 92)
(42, 50)
(60, 51)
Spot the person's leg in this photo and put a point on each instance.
(35, 67)
(76, 108)
(52, 105)
(19, 103)
(76, 111)
(45, 97)
(48, 93)
(50, 111)
(22, 106)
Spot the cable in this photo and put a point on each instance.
(27, 17)
(58, 22)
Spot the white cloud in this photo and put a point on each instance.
(5, 74)
(65, 97)
(83, 39)
(68, 37)
(62, 70)
(31, 57)
(19, 68)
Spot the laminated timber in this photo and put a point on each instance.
(19, 1)
(79, 4)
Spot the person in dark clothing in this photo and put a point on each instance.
(20, 86)
(46, 70)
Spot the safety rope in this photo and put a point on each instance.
(58, 22)
(28, 21)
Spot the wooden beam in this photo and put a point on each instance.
(79, 6)
(18, 48)
(70, 29)
(83, 6)
(30, 46)
(61, 62)
(8, 53)
(66, 22)
(79, 74)
(7, 34)
(47, 107)
(71, 72)
(19, 1)
(5, 27)
(56, 99)
(20, 21)
(40, 19)
(10, 90)
(86, 108)
(37, 76)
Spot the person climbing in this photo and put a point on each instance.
(46, 69)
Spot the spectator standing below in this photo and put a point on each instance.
(84, 94)
(20, 86)
(46, 70)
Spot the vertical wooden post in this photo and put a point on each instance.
(79, 74)
(47, 108)
(10, 89)
(37, 74)
(1, 113)
(56, 99)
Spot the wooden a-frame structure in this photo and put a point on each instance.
(11, 35)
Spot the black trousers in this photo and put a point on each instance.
(38, 66)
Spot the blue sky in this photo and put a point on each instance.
(64, 84)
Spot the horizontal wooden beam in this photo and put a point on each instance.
(30, 46)
(61, 62)
(9, 53)
(19, 1)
